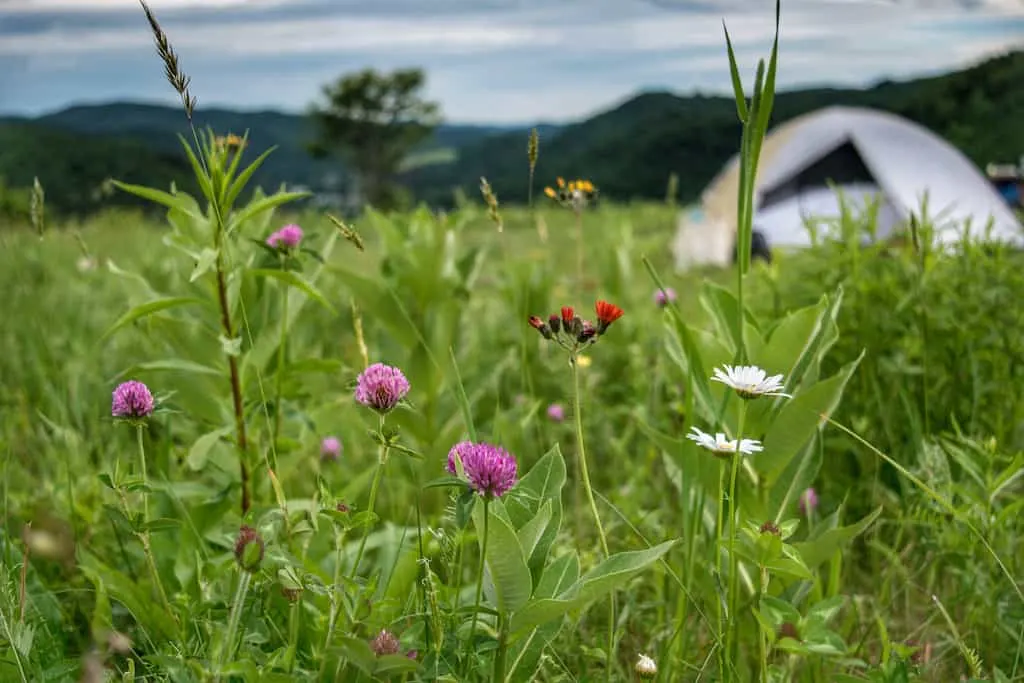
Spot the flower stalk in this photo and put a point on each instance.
(479, 580)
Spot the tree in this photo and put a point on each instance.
(372, 121)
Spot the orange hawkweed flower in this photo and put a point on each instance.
(567, 314)
(607, 313)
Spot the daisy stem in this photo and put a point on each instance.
(479, 580)
(723, 659)
(582, 458)
(733, 511)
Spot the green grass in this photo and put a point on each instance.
(85, 574)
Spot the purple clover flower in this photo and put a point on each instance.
(556, 412)
(287, 237)
(132, 401)
(808, 501)
(385, 644)
(663, 298)
(381, 387)
(330, 448)
(490, 470)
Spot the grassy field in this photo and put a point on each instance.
(913, 537)
(243, 444)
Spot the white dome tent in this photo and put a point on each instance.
(866, 155)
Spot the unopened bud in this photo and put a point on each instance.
(249, 549)
(541, 326)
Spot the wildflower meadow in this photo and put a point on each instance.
(257, 442)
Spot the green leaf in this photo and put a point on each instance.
(463, 399)
(530, 533)
(171, 201)
(259, 206)
(507, 573)
(243, 178)
(200, 450)
(207, 259)
(822, 548)
(172, 365)
(734, 74)
(798, 420)
(595, 584)
(149, 308)
(293, 280)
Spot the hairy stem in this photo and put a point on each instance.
(582, 457)
(734, 564)
(279, 375)
(228, 646)
(377, 476)
(236, 386)
(479, 583)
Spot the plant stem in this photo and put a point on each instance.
(498, 675)
(145, 479)
(723, 657)
(733, 631)
(293, 635)
(762, 638)
(579, 247)
(228, 646)
(479, 580)
(279, 375)
(582, 457)
(236, 383)
(335, 599)
(382, 459)
(144, 534)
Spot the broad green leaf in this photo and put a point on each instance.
(507, 573)
(530, 533)
(149, 308)
(822, 548)
(293, 280)
(798, 420)
(173, 365)
(243, 178)
(150, 615)
(200, 450)
(595, 584)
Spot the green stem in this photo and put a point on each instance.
(336, 594)
(582, 457)
(498, 675)
(145, 480)
(733, 631)
(293, 635)
(762, 638)
(228, 646)
(279, 375)
(479, 583)
(723, 657)
(382, 459)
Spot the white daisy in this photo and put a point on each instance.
(719, 444)
(750, 381)
(645, 667)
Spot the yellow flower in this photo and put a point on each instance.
(561, 182)
(550, 192)
(583, 361)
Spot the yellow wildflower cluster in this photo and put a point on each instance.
(575, 194)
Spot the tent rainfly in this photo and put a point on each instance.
(868, 156)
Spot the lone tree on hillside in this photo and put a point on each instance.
(373, 120)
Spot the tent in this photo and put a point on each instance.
(872, 159)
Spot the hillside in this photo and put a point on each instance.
(631, 150)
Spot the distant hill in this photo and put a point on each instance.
(629, 151)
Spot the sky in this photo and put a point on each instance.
(487, 61)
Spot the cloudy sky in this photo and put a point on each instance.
(501, 61)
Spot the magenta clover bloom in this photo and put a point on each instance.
(808, 501)
(489, 469)
(556, 412)
(132, 401)
(287, 237)
(381, 387)
(330, 448)
(663, 297)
